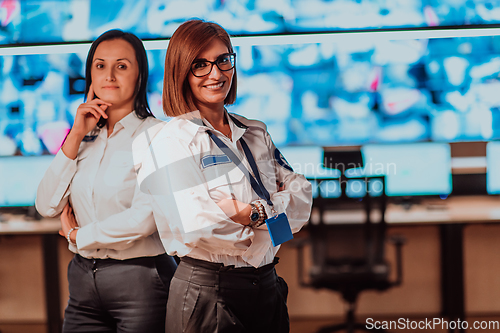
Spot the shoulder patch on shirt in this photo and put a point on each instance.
(211, 160)
(281, 160)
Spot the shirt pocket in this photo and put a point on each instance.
(223, 181)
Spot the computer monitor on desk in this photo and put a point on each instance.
(414, 169)
(20, 176)
(309, 161)
(493, 167)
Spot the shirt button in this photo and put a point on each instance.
(250, 257)
(255, 282)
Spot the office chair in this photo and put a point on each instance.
(350, 257)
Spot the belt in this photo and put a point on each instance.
(207, 273)
(220, 267)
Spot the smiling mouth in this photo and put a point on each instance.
(215, 86)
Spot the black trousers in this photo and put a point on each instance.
(125, 296)
(208, 297)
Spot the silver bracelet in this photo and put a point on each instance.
(69, 233)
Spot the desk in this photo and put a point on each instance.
(49, 229)
(454, 210)
(451, 215)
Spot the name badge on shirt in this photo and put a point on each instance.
(279, 229)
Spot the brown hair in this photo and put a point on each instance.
(186, 43)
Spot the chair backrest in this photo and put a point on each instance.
(356, 243)
(348, 256)
(341, 244)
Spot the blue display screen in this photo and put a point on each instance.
(316, 90)
(341, 90)
(308, 161)
(42, 21)
(411, 169)
(331, 93)
(354, 91)
(20, 178)
(493, 167)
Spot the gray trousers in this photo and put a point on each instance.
(124, 296)
(208, 298)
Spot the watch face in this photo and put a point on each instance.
(254, 217)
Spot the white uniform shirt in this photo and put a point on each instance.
(186, 174)
(115, 217)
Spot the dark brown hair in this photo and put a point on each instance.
(189, 40)
(141, 105)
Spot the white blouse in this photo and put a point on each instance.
(115, 217)
(186, 175)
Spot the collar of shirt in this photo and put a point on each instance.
(197, 124)
(129, 124)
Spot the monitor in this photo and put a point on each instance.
(493, 167)
(20, 178)
(411, 169)
(314, 90)
(309, 161)
(78, 20)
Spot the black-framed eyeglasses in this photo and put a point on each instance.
(224, 62)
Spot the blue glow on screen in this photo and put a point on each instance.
(330, 189)
(349, 93)
(493, 167)
(308, 161)
(335, 92)
(42, 21)
(411, 169)
(20, 178)
(321, 94)
(310, 95)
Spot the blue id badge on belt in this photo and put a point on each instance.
(279, 229)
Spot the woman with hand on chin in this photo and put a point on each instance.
(207, 210)
(119, 277)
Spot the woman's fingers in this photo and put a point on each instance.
(99, 102)
(92, 100)
(95, 110)
(99, 106)
(91, 111)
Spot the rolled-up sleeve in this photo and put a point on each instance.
(53, 191)
(183, 208)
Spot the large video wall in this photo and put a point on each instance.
(318, 73)
(40, 21)
(334, 92)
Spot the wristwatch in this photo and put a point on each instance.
(262, 213)
(254, 215)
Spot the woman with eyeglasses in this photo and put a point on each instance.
(214, 179)
(119, 277)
